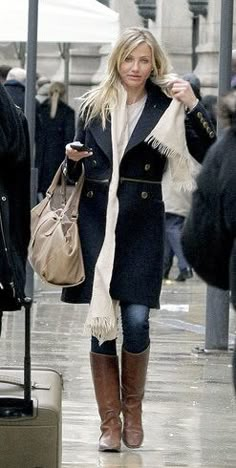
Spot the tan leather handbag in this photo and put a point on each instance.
(55, 249)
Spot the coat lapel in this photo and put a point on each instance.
(102, 137)
(155, 106)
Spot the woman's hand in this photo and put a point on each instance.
(182, 91)
(76, 155)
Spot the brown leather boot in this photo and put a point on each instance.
(134, 370)
(105, 373)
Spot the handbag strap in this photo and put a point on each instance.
(52, 187)
(74, 199)
(63, 189)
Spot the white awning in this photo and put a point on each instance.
(60, 21)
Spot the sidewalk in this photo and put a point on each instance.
(189, 408)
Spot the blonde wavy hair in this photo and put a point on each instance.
(56, 92)
(100, 101)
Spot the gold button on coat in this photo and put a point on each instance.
(144, 195)
(147, 167)
(90, 194)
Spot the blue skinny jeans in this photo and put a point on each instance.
(135, 327)
(173, 245)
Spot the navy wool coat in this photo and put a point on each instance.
(51, 139)
(137, 271)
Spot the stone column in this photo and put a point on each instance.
(208, 49)
(49, 61)
(173, 30)
(87, 67)
(87, 63)
(128, 13)
(147, 10)
(105, 2)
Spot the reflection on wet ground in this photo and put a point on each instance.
(189, 409)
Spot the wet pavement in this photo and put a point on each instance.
(189, 409)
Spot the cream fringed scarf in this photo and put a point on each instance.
(103, 311)
(169, 138)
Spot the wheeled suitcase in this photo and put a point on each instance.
(30, 413)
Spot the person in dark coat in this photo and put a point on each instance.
(56, 130)
(177, 204)
(128, 124)
(15, 85)
(209, 235)
(14, 202)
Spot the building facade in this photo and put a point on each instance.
(189, 31)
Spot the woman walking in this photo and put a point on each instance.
(133, 123)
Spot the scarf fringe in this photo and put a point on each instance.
(187, 185)
(161, 147)
(100, 327)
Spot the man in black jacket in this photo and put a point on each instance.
(14, 202)
(209, 235)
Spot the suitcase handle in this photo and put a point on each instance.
(18, 407)
(18, 382)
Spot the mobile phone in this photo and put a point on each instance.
(80, 146)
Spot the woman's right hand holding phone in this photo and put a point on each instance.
(76, 151)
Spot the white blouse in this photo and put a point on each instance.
(134, 112)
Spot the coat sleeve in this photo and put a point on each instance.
(71, 169)
(15, 209)
(69, 125)
(232, 270)
(23, 172)
(12, 133)
(200, 133)
(207, 243)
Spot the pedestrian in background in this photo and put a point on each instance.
(124, 124)
(57, 128)
(14, 203)
(42, 89)
(177, 205)
(209, 236)
(15, 85)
